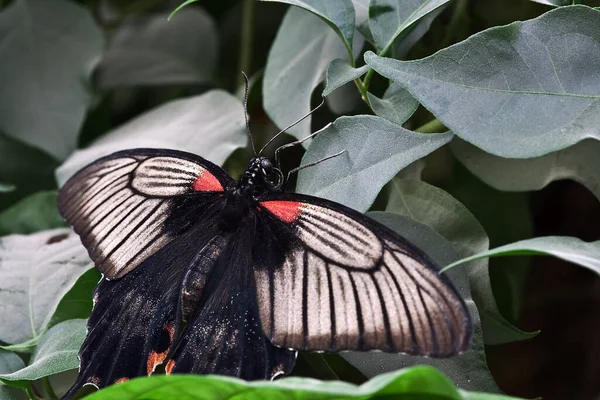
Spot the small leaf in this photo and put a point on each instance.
(390, 18)
(451, 219)
(579, 162)
(211, 125)
(416, 382)
(468, 370)
(375, 151)
(338, 14)
(574, 250)
(48, 52)
(339, 73)
(296, 65)
(397, 104)
(35, 273)
(77, 302)
(56, 352)
(150, 50)
(10, 362)
(519, 91)
(32, 214)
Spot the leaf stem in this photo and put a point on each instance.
(433, 126)
(29, 390)
(49, 389)
(246, 39)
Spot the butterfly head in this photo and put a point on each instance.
(261, 176)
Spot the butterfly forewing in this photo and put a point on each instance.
(348, 283)
(120, 204)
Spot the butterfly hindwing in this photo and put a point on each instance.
(345, 282)
(122, 205)
(225, 335)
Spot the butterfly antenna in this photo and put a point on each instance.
(293, 124)
(297, 142)
(246, 90)
(312, 164)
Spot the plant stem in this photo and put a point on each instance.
(246, 39)
(29, 390)
(433, 126)
(49, 389)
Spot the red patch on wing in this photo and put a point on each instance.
(287, 211)
(121, 380)
(169, 367)
(206, 182)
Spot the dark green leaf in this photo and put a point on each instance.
(32, 214)
(413, 383)
(448, 217)
(389, 18)
(519, 91)
(48, 52)
(56, 352)
(338, 14)
(151, 50)
(36, 271)
(574, 250)
(213, 133)
(296, 65)
(397, 104)
(30, 169)
(579, 162)
(339, 73)
(375, 150)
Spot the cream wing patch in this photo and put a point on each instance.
(166, 176)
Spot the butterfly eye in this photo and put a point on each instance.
(266, 166)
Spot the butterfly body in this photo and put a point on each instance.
(253, 273)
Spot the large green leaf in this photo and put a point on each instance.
(56, 352)
(448, 217)
(579, 162)
(211, 125)
(574, 250)
(338, 14)
(35, 273)
(32, 214)
(375, 150)
(414, 383)
(151, 50)
(299, 57)
(519, 91)
(390, 18)
(9, 362)
(48, 52)
(468, 370)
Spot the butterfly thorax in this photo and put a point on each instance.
(257, 178)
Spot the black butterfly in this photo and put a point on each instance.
(254, 273)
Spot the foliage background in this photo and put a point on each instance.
(80, 79)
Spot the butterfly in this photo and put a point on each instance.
(211, 276)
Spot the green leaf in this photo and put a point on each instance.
(296, 65)
(574, 250)
(10, 362)
(77, 302)
(518, 91)
(397, 104)
(6, 187)
(447, 216)
(389, 18)
(579, 162)
(35, 273)
(150, 50)
(32, 214)
(31, 168)
(48, 52)
(56, 352)
(412, 383)
(184, 4)
(213, 133)
(361, 11)
(339, 73)
(375, 151)
(338, 14)
(468, 370)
